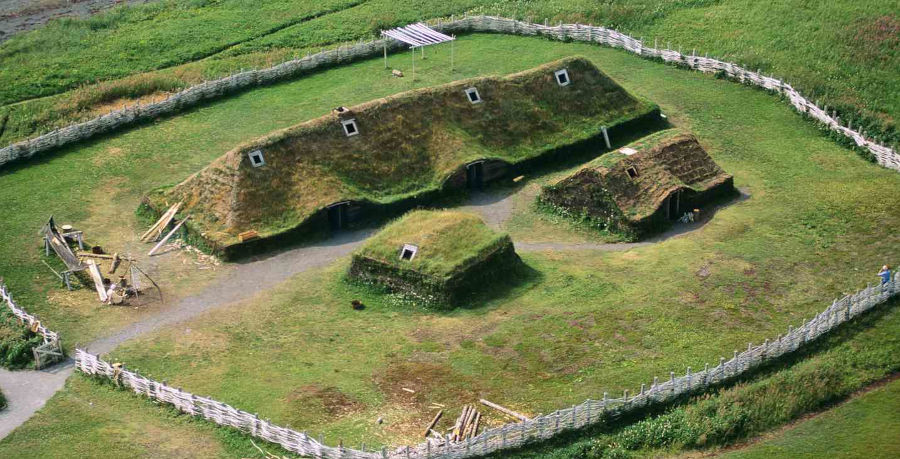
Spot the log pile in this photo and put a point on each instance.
(466, 425)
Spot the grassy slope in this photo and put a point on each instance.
(748, 274)
(867, 426)
(844, 56)
(70, 52)
(445, 240)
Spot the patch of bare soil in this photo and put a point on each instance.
(333, 402)
(23, 15)
(119, 104)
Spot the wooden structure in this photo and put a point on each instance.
(50, 350)
(58, 242)
(417, 35)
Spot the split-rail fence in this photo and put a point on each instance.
(514, 435)
(50, 350)
(883, 154)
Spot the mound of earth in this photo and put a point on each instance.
(642, 187)
(402, 148)
(437, 257)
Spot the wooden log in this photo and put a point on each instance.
(161, 224)
(433, 422)
(94, 271)
(475, 425)
(165, 239)
(468, 423)
(457, 429)
(115, 263)
(247, 236)
(102, 256)
(504, 410)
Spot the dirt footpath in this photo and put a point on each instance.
(24, 15)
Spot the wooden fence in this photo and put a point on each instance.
(513, 435)
(51, 349)
(884, 155)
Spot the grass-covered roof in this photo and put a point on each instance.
(409, 143)
(664, 161)
(447, 241)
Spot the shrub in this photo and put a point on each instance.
(16, 342)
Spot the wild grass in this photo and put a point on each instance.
(865, 426)
(860, 354)
(67, 53)
(845, 57)
(586, 322)
(16, 342)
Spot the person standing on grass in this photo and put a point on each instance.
(885, 274)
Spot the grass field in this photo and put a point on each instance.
(811, 229)
(816, 224)
(844, 57)
(866, 427)
(828, 372)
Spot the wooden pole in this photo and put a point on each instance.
(413, 55)
(433, 422)
(385, 54)
(163, 241)
(451, 53)
(504, 410)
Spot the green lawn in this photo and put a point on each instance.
(842, 53)
(582, 324)
(868, 426)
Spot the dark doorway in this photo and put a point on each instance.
(475, 175)
(337, 215)
(674, 206)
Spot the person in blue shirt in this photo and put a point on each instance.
(885, 274)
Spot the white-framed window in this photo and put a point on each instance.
(408, 252)
(632, 172)
(472, 94)
(256, 158)
(562, 77)
(350, 127)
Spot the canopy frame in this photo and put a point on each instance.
(417, 35)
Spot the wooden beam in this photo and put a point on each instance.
(433, 422)
(505, 410)
(161, 224)
(94, 270)
(163, 241)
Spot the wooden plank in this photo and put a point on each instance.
(247, 236)
(154, 249)
(504, 410)
(94, 270)
(102, 256)
(433, 422)
(162, 223)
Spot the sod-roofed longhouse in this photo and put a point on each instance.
(641, 188)
(402, 150)
(437, 257)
